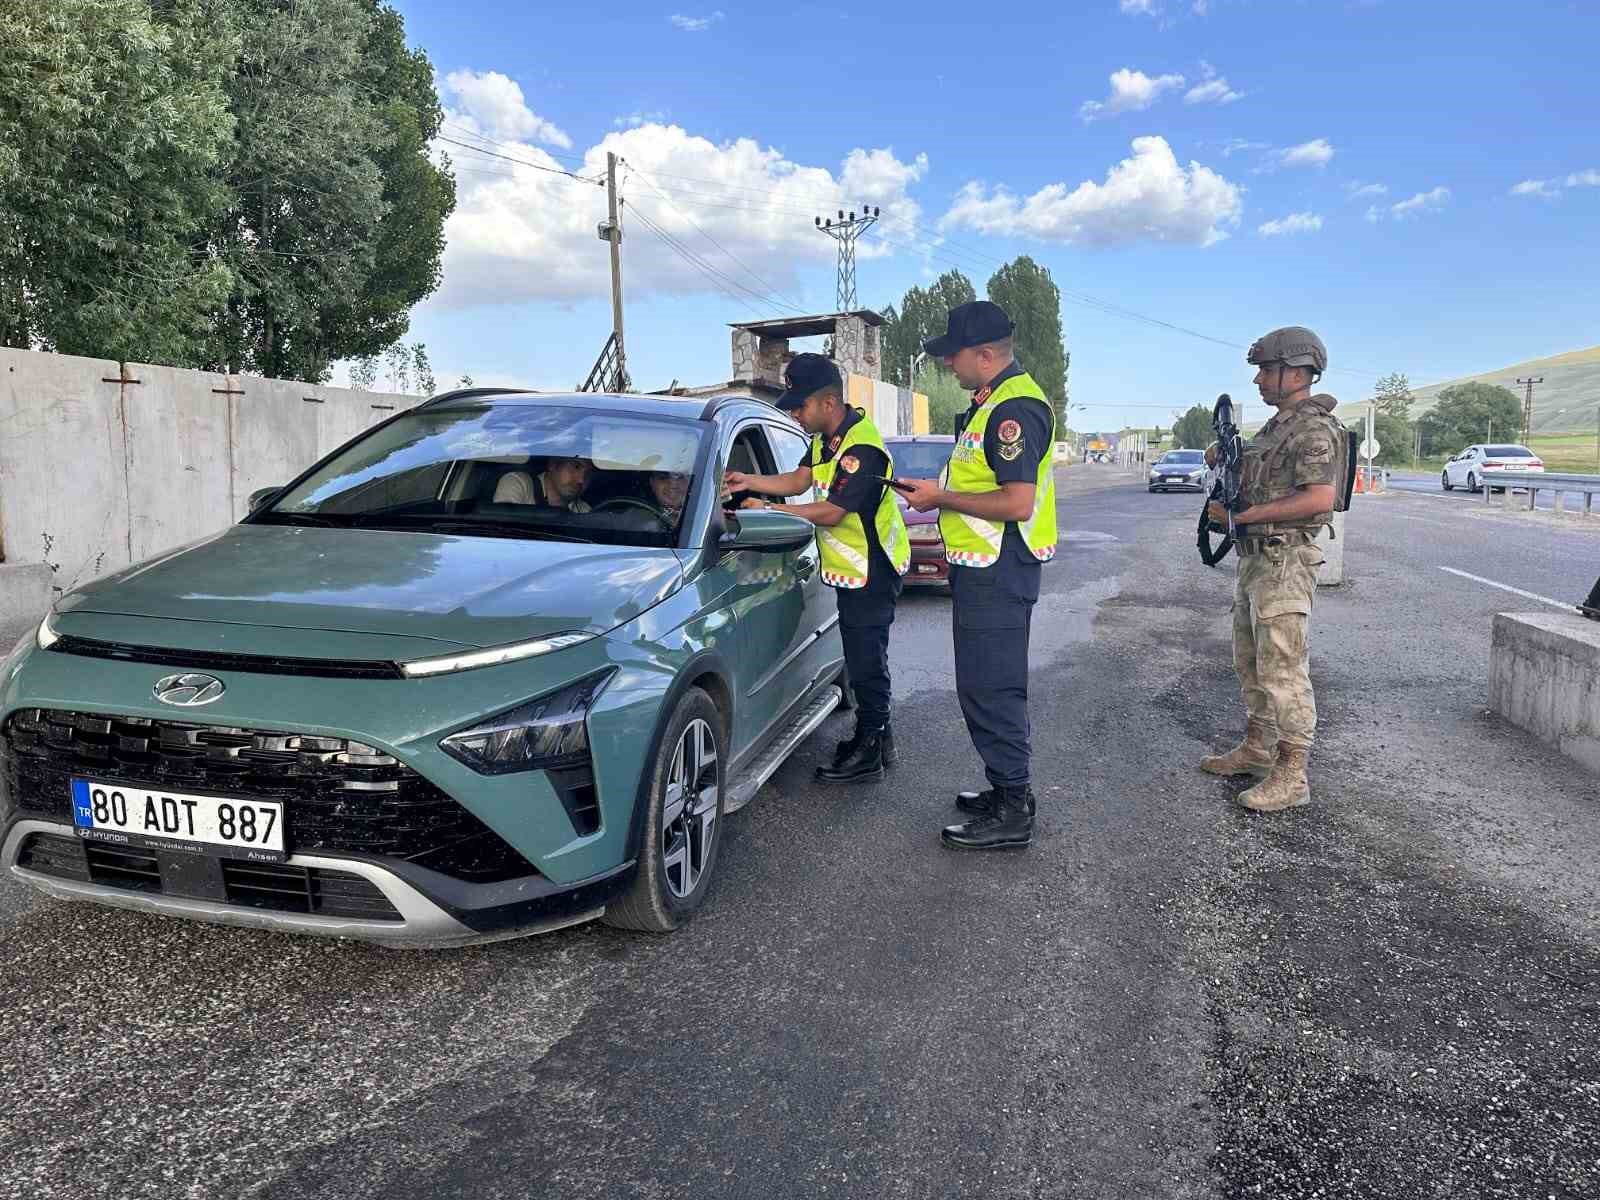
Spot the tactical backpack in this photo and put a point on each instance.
(1345, 466)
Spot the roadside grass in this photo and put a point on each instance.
(1570, 453)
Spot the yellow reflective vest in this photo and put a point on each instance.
(972, 541)
(844, 546)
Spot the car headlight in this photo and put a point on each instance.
(1196, 476)
(925, 533)
(444, 664)
(549, 733)
(46, 634)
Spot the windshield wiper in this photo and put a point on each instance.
(488, 528)
(290, 518)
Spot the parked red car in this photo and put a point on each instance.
(922, 457)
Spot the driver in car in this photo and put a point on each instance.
(670, 489)
(560, 485)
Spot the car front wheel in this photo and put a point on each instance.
(1444, 481)
(683, 823)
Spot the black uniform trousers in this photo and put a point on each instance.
(991, 617)
(865, 615)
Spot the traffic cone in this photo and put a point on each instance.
(1361, 480)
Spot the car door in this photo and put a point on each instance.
(768, 599)
(819, 648)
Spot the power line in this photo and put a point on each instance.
(720, 281)
(522, 162)
(775, 292)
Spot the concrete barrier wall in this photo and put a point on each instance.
(114, 463)
(1544, 676)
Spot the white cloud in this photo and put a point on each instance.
(1201, 7)
(1360, 191)
(1141, 8)
(1300, 222)
(491, 104)
(636, 119)
(696, 24)
(1213, 88)
(1147, 197)
(1213, 91)
(1374, 214)
(1131, 91)
(1239, 146)
(522, 234)
(1316, 153)
(1549, 188)
(1429, 201)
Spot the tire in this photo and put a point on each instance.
(678, 852)
(1444, 481)
(1472, 483)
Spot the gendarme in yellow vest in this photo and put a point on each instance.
(844, 546)
(972, 541)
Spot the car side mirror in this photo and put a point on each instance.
(765, 530)
(261, 495)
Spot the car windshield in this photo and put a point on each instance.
(508, 470)
(1507, 452)
(920, 460)
(1183, 458)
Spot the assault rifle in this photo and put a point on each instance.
(1228, 488)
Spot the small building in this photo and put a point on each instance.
(761, 351)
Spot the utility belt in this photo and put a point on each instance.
(1250, 545)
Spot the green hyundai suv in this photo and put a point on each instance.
(500, 664)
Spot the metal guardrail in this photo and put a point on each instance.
(1543, 481)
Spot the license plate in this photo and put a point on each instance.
(137, 816)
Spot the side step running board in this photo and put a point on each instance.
(743, 789)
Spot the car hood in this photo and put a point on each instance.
(473, 591)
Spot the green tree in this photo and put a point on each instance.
(1030, 297)
(922, 315)
(1193, 430)
(1392, 421)
(114, 127)
(1468, 413)
(947, 399)
(336, 225)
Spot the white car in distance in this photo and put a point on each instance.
(1483, 463)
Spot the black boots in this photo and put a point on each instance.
(862, 758)
(976, 803)
(1007, 826)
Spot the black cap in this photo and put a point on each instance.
(975, 324)
(805, 375)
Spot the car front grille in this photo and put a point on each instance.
(340, 796)
(317, 891)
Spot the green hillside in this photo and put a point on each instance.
(1568, 401)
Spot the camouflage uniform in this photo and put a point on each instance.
(1278, 571)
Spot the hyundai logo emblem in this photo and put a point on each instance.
(189, 690)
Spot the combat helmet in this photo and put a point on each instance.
(1293, 346)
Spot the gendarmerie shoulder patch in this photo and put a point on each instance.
(1010, 431)
(849, 464)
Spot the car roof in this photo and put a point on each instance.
(687, 408)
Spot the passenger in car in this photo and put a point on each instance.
(560, 485)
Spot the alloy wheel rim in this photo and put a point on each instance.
(689, 809)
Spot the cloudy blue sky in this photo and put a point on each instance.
(1418, 181)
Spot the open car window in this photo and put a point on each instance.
(515, 470)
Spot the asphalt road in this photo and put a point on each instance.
(1393, 993)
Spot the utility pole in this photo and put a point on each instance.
(1527, 406)
(612, 232)
(845, 232)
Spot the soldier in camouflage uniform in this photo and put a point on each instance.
(1290, 477)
